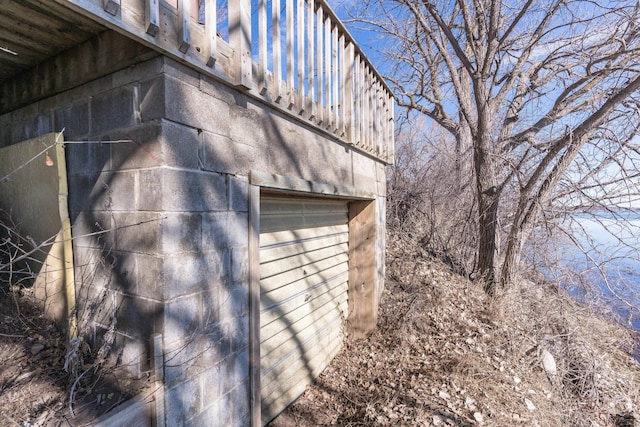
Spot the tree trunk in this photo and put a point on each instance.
(487, 224)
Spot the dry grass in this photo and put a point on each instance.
(444, 354)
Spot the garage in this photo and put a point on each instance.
(304, 275)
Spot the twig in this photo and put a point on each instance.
(72, 392)
(12, 336)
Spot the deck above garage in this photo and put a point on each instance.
(294, 55)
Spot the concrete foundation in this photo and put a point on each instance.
(159, 201)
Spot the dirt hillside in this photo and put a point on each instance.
(444, 354)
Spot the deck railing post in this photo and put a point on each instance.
(276, 47)
(300, 55)
(262, 47)
(152, 17)
(240, 41)
(319, 66)
(307, 65)
(210, 30)
(349, 92)
(184, 25)
(289, 17)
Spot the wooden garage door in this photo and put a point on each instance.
(303, 294)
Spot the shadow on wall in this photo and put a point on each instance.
(161, 238)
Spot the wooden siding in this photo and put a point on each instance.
(303, 294)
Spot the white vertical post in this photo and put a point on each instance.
(277, 49)
(342, 73)
(240, 40)
(211, 32)
(349, 92)
(311, 89)
(289, 52)
(152, 17)
(184, 31)
(319, 65)
(300, 54)
(262, 45)
(327, 73)
(334, 79)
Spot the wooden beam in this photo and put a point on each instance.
(349, 89)
(240, 40)
(363, 298)
(254, 304)
(311, 89)
(112, 7)
(319, 66)
(289, 39)
(327, 73)
(262, 47)
(184, 20)
(210, 32)
(152, 17)
(334, 79)
(277, 49)
(300, 55)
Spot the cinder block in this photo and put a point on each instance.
(239, 193)
(217, 90)
(365, 173)
(180, 145)
(234, 373)
(138, 72)
(234, 302)
(210, 389)
(240, 266)
(125, 272)
(180, 191)
(184, 359)
(241, 398)
(220, 154)
(215, 229)
(238, 230)
(382, 179)
(252, 124)
(114, 191)
(138, 232)
(87, 158)
(237, 334)
(143, 151)
(181, 232)
(80, 188)
(74, 119)
(181, 72)
(135, 356)
(37, 126)
(186, 104)
(222, 230)
(152, 99)
(93, 229)
(182, 403)
(95, 307)
(112, 110)
(193, 272)
(139, 317)
(150, 281)
(92, 267)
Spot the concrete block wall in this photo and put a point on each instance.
(161, 223)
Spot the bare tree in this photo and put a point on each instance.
(426, 203)
(541, 98)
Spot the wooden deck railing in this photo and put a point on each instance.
(295, 55)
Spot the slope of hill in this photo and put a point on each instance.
(446, 354)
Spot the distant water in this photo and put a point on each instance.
(614, 247)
